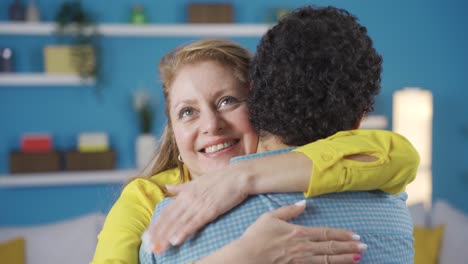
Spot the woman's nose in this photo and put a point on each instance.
(212, 123)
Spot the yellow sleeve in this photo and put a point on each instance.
(120, 238)
(395, 167)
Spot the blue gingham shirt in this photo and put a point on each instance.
(382, 220)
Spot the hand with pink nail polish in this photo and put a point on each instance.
(283, 242)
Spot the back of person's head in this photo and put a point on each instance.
(224, 52)
(315, 73)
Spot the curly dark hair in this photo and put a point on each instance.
(315, 73)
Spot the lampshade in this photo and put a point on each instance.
(412, 118)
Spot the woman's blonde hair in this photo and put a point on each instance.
(224, 52)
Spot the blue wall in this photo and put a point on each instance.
(423, 44)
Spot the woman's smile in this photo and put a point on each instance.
(209, 116)
(220, 146)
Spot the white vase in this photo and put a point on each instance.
(144, 149)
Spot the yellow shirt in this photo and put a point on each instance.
(395, 167)
(119, 240)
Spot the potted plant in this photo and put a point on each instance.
(79, 29)
(146, 142)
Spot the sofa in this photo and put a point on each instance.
(441, 237)
(441, 234)
(71, 241)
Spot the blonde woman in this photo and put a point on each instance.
(206, 86)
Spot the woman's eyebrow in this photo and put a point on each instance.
(184, 102)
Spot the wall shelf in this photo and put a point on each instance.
(116, 176)
(42, 79)
(150, 30)
(65, 178)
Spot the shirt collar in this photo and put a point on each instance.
(262, 154)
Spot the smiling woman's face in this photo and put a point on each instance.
(209, 116)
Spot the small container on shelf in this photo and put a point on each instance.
(63, 59)
(138, 15)
(36, 143)
(210, 13)
(93, 142)
(31, 162)
(81, 161)
(6, 60)
(16, 12)
(32, 12)
(36, 154)
(93, 153)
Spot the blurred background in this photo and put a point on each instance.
(423, 44)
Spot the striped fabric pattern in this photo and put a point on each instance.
(382, 220)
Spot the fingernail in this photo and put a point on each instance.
(300, 203)
(157, 248)
(357, 257)
(146, 242)
(175, 240)
(356, 237)
(145, 238)
(362, 246)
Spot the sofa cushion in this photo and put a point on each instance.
(12, 251)
(418, 214)
(455, 238)
(427, 244)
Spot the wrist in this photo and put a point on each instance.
(241, 251)
(246, 176)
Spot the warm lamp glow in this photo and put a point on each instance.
(412, 117)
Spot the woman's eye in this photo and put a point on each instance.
(186, 112)
(228, 100)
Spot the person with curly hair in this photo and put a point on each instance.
(206, 85)
(314, 77)
(317, 71)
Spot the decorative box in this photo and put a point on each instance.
(210, 13)
(22, 162)
(93, 142)
(63, 59)
(75, 160)
(36, 143)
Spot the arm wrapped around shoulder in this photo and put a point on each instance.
(338, 163)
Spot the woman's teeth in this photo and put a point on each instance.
(219, 147)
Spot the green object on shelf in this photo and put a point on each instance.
(275, 14)
(138, 15)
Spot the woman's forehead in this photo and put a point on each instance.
(204, 75)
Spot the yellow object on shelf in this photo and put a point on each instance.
(93, 142)
(66, 59)
(87, 149)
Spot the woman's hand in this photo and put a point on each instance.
(198, 202)
(205, 198)
(273, 240)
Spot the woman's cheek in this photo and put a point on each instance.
(184, 138)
